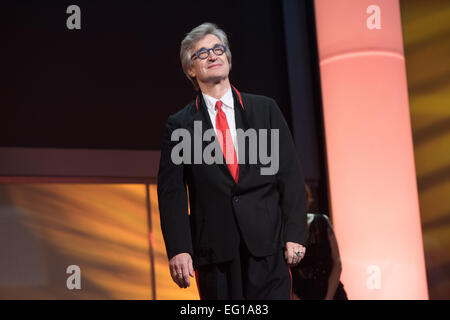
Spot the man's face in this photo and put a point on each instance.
(212, 69)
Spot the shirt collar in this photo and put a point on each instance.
(227, 100)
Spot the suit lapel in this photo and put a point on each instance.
(203, 115)
(242, 123)
(240, 116)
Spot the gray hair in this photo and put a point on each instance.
(192, 38)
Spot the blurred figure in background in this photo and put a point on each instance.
(317, 276)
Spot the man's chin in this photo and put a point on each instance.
(217, 78)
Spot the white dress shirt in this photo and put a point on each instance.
(228, 109)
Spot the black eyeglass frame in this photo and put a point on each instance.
(197, 53)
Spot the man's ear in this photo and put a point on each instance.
(191, 72)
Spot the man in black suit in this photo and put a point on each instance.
(247, 221)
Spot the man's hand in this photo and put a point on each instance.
(293, 253)
(181, 268)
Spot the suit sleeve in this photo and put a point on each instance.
(291, 182)
(172, 199)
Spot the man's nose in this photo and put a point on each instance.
(212, 56)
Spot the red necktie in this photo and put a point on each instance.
(230, 156)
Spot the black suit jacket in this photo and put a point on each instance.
(266, 210)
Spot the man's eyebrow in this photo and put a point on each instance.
(203, 48)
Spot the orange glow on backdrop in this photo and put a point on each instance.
(372, 178)
(426, 34)
(102, 228)
(165, 287)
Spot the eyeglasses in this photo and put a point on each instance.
(203, 53)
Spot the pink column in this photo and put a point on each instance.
(372, 177)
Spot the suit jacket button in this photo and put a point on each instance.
(236, 199)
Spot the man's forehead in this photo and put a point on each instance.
(207, 41)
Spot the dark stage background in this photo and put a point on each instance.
(112, 84)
